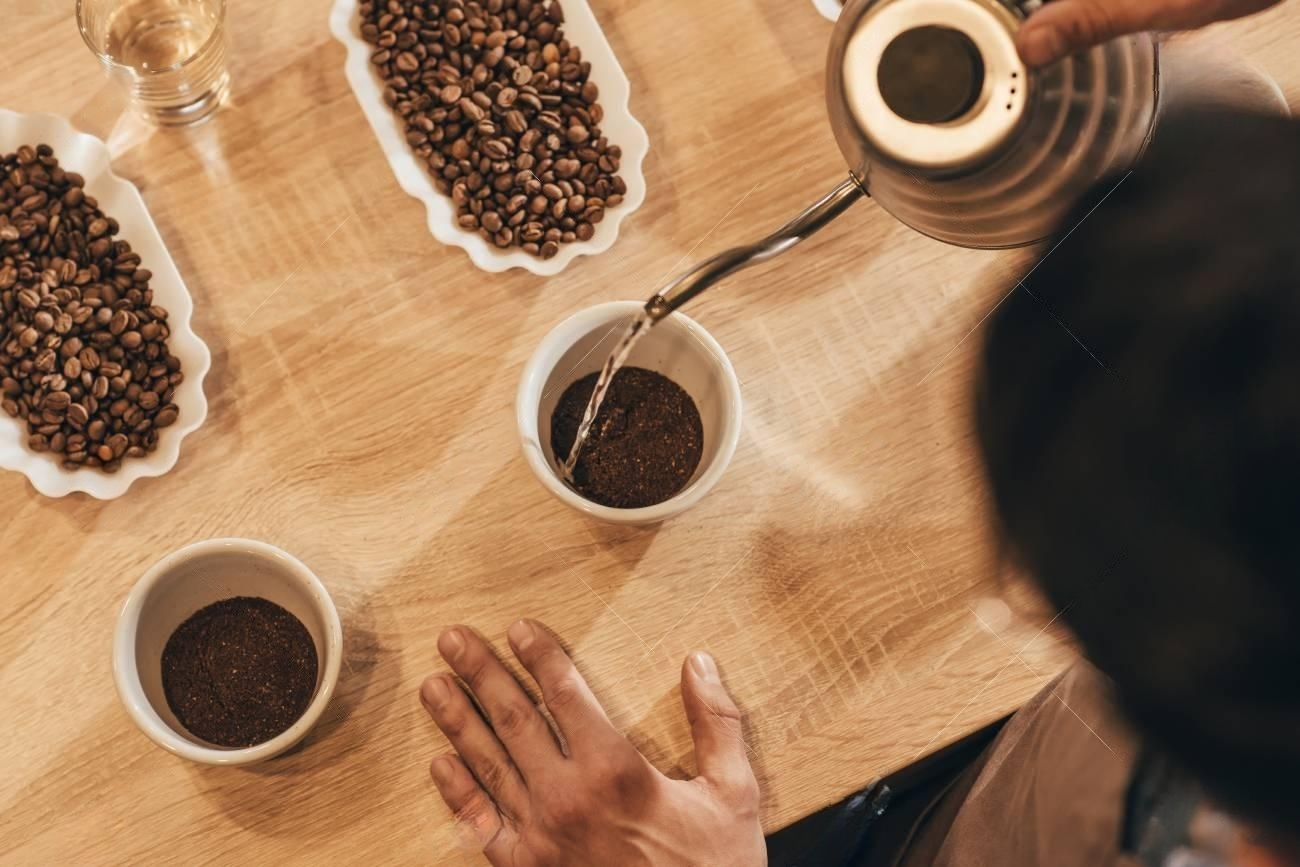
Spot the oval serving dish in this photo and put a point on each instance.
(119, 198)
(618, 125)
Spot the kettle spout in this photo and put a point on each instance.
(711, 270)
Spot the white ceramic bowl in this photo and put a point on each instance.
(677, 347)
(619, 126)
(87, 155)
(195, 577)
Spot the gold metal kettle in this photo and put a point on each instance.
(946, 129)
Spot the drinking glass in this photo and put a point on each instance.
(170, 53)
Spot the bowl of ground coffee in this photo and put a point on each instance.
(665, 431)
(227, 652)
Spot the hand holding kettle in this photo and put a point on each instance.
(1063, 27)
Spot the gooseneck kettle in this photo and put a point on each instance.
(943, 126)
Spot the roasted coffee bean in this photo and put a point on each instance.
(166, 416)
(56, 401)
(495, 101)
(76, 323)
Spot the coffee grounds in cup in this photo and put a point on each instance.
(239, 672)
(645, 445)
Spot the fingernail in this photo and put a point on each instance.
(442, 770)
(704, 667)
(435, 691)
(1042, 46)
(521, 634)
(451, 644)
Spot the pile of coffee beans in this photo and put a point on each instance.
(83, 348)
(498, 105)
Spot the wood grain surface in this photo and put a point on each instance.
(361, 417)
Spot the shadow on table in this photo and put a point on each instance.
(272, 798)
(519, 553)
(513, 543)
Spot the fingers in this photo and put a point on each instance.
(1064, 27)
(515, 720)
(564, 690)
(720, 752)
(450, 708)
(479, 826)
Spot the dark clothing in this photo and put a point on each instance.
(1050, 791)
(1063, 784)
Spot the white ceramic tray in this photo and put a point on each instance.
(87, 155)
(830, 9)
(619, 126)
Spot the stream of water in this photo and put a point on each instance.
(613, 363)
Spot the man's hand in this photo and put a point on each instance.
(528, 802)
(1063, 27)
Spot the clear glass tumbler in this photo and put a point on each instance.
(170, 53)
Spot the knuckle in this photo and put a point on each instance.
(479, 813)
(512, 719)
(723, 708)
(742, 788)
(565, 693)
(567, 812)
(621, 779)
(476, 670)
(452, 722)
(492, 774)
(476, 805)
(737, 788)
(1191, 12)
(720, 712)
(1093, 22)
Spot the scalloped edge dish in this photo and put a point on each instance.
(622, 129)
(119, 198)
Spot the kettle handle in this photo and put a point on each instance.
(713, 269)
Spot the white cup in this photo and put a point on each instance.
(190, 579)
(676, 347)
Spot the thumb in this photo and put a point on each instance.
(1064, 27)
(715, 727)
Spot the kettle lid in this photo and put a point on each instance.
(936, 84)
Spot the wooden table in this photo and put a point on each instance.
(361, 417)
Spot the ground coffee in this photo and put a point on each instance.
(645, 444)
(239, 672)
